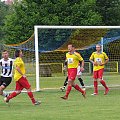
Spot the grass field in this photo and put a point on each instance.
(76, 107)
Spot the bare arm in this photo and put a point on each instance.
(106, 61)
(91, 61)
(94, 63)
(82, 65)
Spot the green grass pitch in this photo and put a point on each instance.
(75, 108)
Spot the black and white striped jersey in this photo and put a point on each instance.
(7, 67)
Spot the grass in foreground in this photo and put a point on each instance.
(54, 108)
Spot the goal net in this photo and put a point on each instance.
(51, 46)
(44, 53)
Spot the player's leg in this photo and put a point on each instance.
(100, 76)
(79, 73)
(81, 82)
(77, 87)
(30, 94)
(4, 82)
(69, 88)
(27, 86)
(95, 76)
(65, 84)
(17, 91)
(71, 77)
(4, 94)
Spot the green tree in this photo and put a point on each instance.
(4, 10)
(27, 13)
(110, 11)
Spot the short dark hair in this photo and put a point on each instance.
(99, 45)
(71, 45)
(17, 53)
(5, 51)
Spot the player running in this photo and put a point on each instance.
(6, 64)
(79, 74)
(21, 80)
(99, 59)
(73, 59)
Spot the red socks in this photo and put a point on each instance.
(96, 87)
(69, 88)
(12, 95)
(104, 84)
(78, 88)
(30, 94)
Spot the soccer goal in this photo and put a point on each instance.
(51, 46)
(44, 52)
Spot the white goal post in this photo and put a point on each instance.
(36, 27)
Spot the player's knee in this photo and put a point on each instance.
(18, 92)
(29, 89)
(70, 82)
(95, 79)
(100, 79)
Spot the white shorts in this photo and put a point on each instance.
(79, 73)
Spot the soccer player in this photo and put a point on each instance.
(21, 80)
(99, 59)
(73, 59)
(6, 64)
(79, 74)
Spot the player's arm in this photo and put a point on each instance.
(65, 64)
(82, 62)
(92, 60)
(82, 65)
(18, 69)
(106, 59)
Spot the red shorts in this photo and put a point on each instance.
(22, 83)
(72, 72)
(98, 74)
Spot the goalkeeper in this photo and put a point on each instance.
(79, 73)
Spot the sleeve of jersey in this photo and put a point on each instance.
(106, 57)
(92, 57)
(17, 63)
(79, 57)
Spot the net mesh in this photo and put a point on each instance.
(53, 47)
(27, 48)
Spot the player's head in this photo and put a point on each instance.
(71, 48)
(98, 47)
(18, 53)
(5, 54)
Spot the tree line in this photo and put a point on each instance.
(17, 21)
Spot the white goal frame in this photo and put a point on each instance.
(36, 27)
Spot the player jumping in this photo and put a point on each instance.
(6, 75)
(21, 80)
(73, 59)
(99, 59)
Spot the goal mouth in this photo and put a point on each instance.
(84, 38)
(44, 52)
